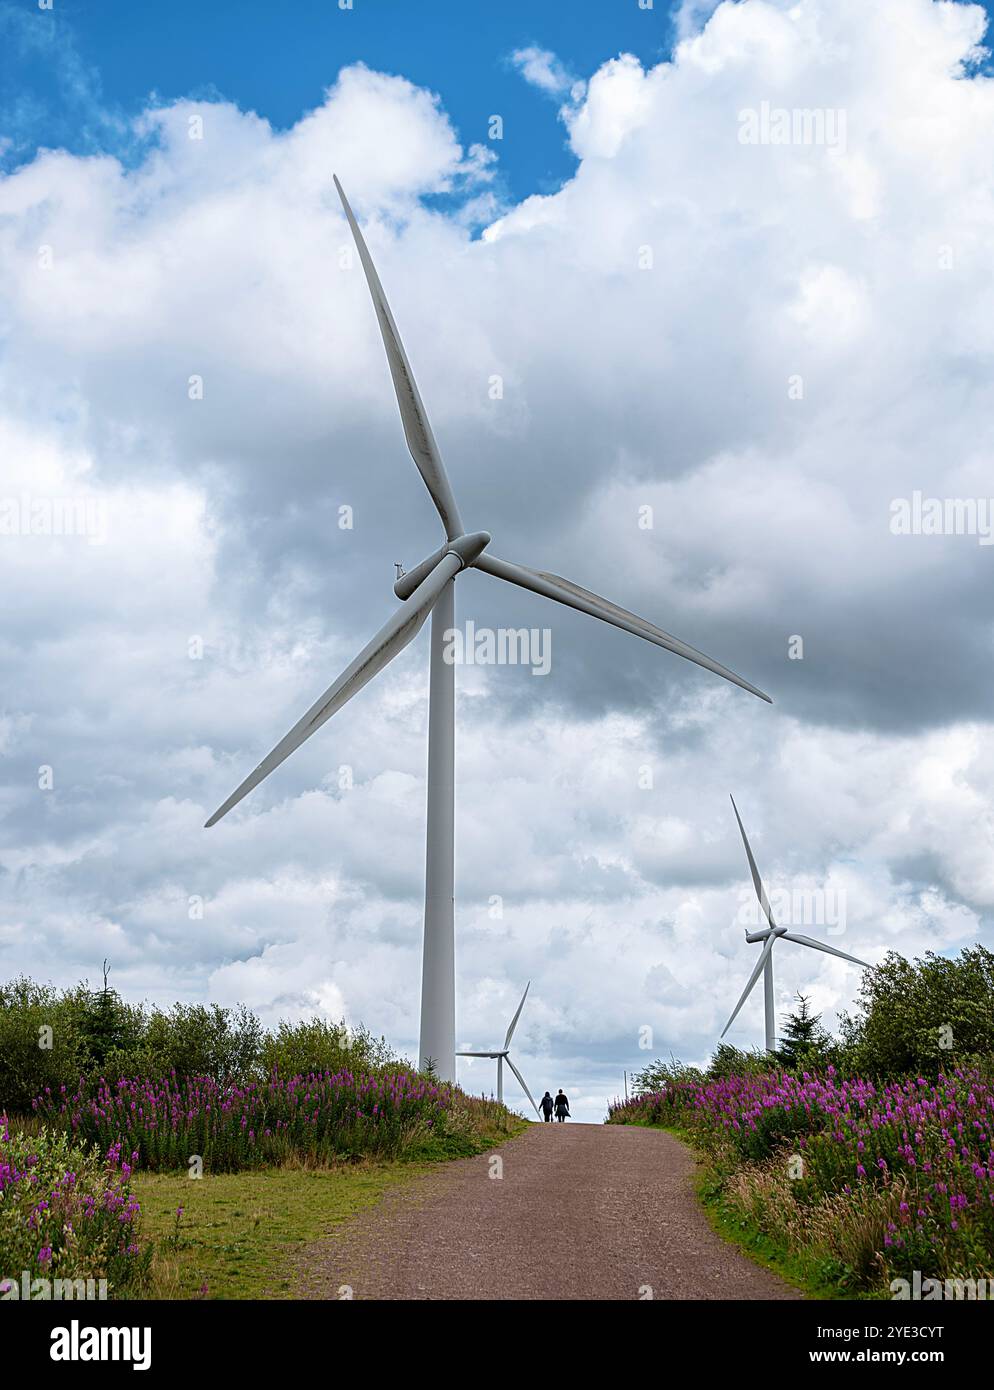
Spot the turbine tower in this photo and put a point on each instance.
(504, 1056)
(429, 589)
(769, 936)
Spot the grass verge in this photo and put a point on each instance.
(808, 1270)
(238, 1232)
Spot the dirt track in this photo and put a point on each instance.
(581, 1211)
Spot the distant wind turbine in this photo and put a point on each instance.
(429, 589)
(769, 935)
(504, 1056)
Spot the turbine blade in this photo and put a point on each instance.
(514, 1020)
(521, 1082)
(821, 946)
(752, 980)
(417, 430)
(391, 639)
(757, 882)
(478, 1054)
(573, 596)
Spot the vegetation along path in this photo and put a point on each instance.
(579, 1211)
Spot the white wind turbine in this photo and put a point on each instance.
(429, 588)
(503, 1056)
(769, 935)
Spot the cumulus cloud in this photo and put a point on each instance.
(690, 16)
(719, 363)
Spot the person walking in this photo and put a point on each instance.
(562, 1105)
(547, 1104)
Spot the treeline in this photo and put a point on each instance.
(51, 1038)
(921, 1017)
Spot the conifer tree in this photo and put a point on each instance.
(803, 1043)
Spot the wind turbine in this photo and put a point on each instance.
(429, 589)
(504, 1056)
(769, 935)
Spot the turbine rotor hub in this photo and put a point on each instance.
(754, 936)
(467, 549)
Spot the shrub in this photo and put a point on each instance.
(657, 1075)
(51, 1038)
(197, 1040)
(732, 1061)
(314, 1045)
(43, 1041)
(65, 1213)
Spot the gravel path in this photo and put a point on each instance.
(581, 1211)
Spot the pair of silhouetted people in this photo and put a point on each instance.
(560, 1105)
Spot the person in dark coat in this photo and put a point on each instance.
(562, 1106)
(547, 1104)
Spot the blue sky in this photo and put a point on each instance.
(74, 76)
(278, 60)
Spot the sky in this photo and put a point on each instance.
(693, 363)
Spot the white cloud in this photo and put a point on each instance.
(543, 70)
(692, 15)
(618, 101)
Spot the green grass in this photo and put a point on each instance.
(239, 1232)
(814, 1276)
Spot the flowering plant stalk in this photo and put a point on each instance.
(917, 1154)
(66, 1213)
(310, 1117)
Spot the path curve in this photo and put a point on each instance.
(581, 1212)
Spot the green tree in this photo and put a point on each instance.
(925, 1015)
(105, 1022)
(804, 1044)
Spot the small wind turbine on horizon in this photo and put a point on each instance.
(503, 1055)
(429, 589)
(769, 935)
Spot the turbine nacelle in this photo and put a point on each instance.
(467, 549)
